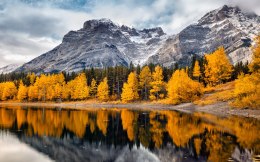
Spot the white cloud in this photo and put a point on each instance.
(27, 32)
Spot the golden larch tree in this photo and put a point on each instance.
(81, 89)
(196, 70)
(103, 90)
(181, 88)
(42, 83)
(65, 92)
(157, 83)
(1, 90)
(145, 78)
(218, 68)
(59, 78)
(31, 77)
(50, 95)
(33, 92)
(58, 91)
(9, 91)
(22, 93)
(58, 83)
(78, 87)
(93, 88)
(130, 89)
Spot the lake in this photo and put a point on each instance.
(29, 134)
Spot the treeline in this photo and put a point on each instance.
(173, 84)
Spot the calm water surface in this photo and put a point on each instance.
(29, 134)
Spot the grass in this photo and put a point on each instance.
(223, 92)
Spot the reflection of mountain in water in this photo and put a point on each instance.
(123, 134)
(70, 149)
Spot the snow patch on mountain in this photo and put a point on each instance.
(103, 43)
(100, 43)
(227, 26)
(9, 68)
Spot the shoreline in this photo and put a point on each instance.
(219, 108)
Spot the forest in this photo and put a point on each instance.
(154, 83)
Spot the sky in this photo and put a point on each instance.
(29, 28)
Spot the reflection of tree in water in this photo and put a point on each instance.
(219, 145)
(156, 129)
(102, 121)
(201, 134)
(7, 118)
(128, 118)
(144, 133)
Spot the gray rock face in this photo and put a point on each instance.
(102, 43)
(228, 26)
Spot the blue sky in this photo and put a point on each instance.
(29, 28)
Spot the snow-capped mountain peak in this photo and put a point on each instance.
(100, 43)
(9, 68)
(227, 26)
(248, 22)
(229, 12)
(103, 43)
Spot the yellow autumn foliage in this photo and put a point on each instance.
(130, 89)
(196, 70)
(8, 91)
(145, 80)
(157, 83)
(33, 92)
(93, 88)
(46, 87)
(247, 87)
(128, 118)
(217, 135)
(181, 88)
(103, 90)
(78, 87)
(156, 129)
(247, 91)
(32, 78)
(217, 70)
(219, 93)
(22, 93)
(102, 121)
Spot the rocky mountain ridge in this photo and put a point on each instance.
(9, 68)
(102, 43)
(228, 26)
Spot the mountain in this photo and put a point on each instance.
(75, 149)
(9, 68)
(102, 43)
(228, 26)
